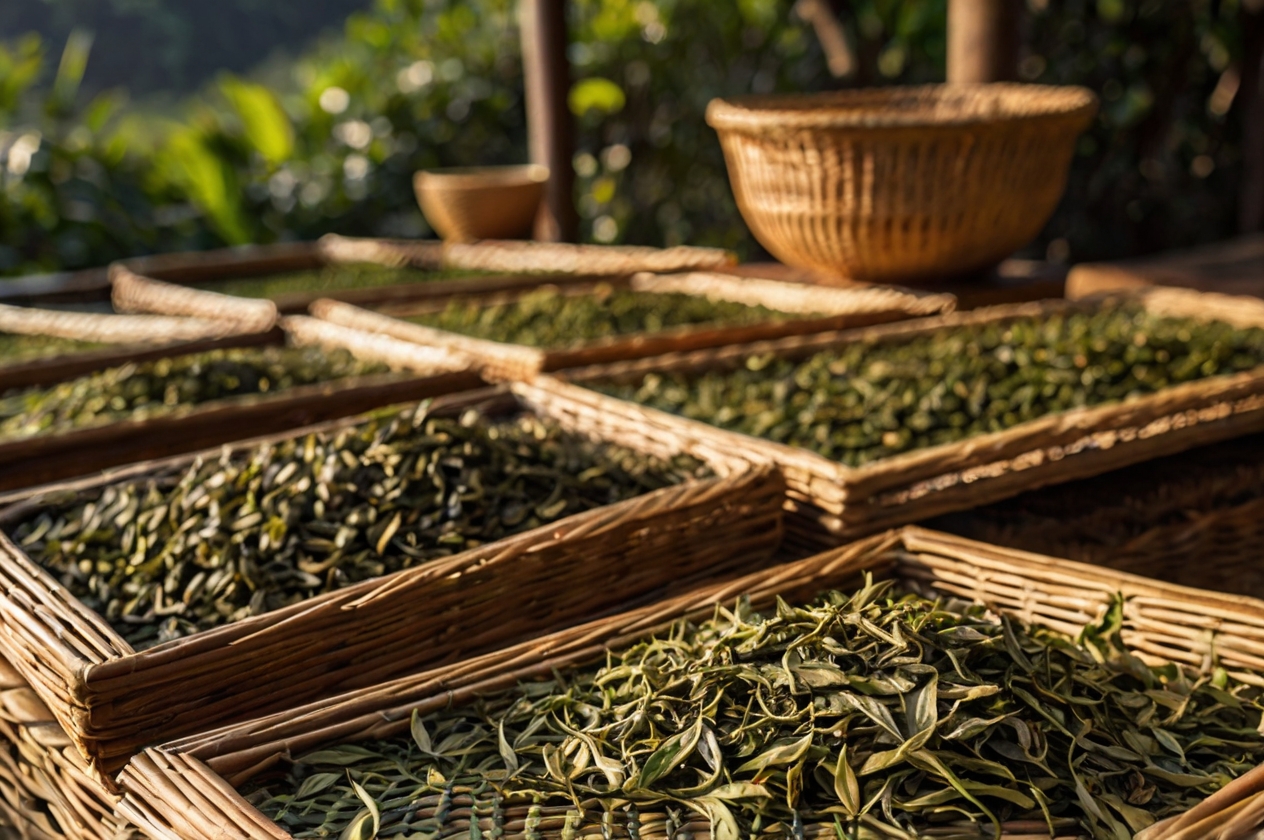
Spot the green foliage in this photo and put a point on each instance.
(596, 94)
(172, 47)
(189, 163)
(1161, 167)
(264, 122)
(328, 141)
(20, 64)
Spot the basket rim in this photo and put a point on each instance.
(1009, 103)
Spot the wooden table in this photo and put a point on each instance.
(1233, 267)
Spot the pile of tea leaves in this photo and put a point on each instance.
(331, 278)
(877, 714)
(871, 400)
(190, 549)
(147, 389)
(16, 348)
(549, 318)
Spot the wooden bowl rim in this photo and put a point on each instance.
(482, 177)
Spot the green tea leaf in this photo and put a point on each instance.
(846, 787)
(782, 754)
(316, 783)
(670, 754)
(420, 736)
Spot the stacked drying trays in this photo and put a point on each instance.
(574, 605)
(82, 391)
(158, 599)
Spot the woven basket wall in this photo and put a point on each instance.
(900, 183)
(113, 701)
(1195, 519)
(1160, 623)
(834, 501)
(46, 792)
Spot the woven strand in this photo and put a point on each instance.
(112, 329)
(132, 292)
(565, 258)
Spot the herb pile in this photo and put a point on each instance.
(146, 389)
(879, 715)
(330, 278)
(16, 348)
(171, 554)
(869, 401)
(547, 318)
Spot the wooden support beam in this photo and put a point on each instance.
(982, 40)
(551, 128)
(1251, 93)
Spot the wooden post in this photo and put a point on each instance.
(1251, 91)
(551, 129)
(982, 40)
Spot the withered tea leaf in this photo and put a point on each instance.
(718, 718)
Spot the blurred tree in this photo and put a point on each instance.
(174, 46)
(1162, 166)
(329, 141)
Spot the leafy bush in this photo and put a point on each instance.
(328, 141)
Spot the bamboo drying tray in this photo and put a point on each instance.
(504, 267)
(206, 268)
(46, 792)
(26, 462)
(1195, 518)
(836, 501)
(186, 789)
(124, 338)
(113, 701)
(812, 309)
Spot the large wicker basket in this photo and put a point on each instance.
(113, 700)
(186, 789)
(900, 183)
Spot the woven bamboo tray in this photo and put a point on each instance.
(835, 501)
(46, 792)
(206, 268)
(814, 309)
(26, 462)
(124, 338)
(1196, 518)
(1232, 266)
(502, 267)
(187, 788)
(113, 701)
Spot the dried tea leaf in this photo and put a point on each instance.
(956, 739)
(873, 399)
(846, 786)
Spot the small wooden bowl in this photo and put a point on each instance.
(463, 204)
